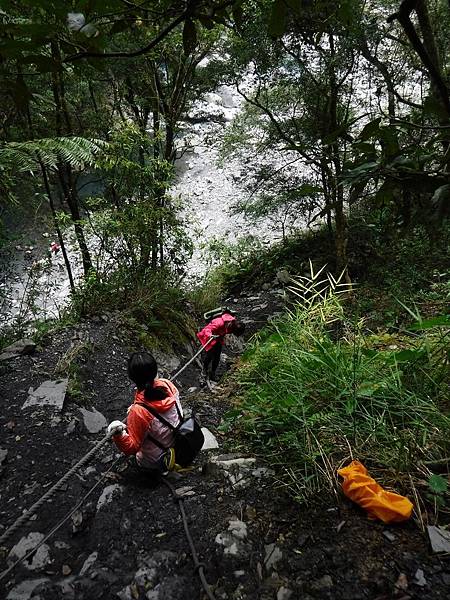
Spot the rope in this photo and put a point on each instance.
(61, 523)
(213, 337)
(198, 565)
(37, 505)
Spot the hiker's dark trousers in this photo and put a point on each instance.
(212, 357)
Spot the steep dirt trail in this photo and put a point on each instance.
(127, 541)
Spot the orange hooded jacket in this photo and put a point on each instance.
(141, 423)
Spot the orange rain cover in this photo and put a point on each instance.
(365, 491)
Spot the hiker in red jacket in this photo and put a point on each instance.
(144, 435)
(220, 327)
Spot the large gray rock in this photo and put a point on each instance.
(283, 276)
(93, 420)
(148, 579)
(233, 539)
(88, 562)
(239, 462)
(210, 441)
(284, 593)
(439, 538)
(239, 471)
(24, 590)
(41, 557)
(49, 393)
(272, 557)
(21, 347)
(107, 495)
(419, 578)
(126, 593)
(167, 363)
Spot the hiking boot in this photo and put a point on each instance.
(213, 377)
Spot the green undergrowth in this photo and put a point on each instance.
(314, 391)
(155, 310)
(39, 330)
(209, 294)
(250, 263)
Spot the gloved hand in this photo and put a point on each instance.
(116, 428)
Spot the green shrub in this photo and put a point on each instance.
(154, 304)
(209, 293)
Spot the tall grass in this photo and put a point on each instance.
(313, 394)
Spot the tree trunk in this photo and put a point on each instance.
(65, 171)
(169, 146)
(426, 51)
(52, 209)
(341, 233)
(55, 222)
(441, 95)
(326, 195)
(74, 208)
(341, 240)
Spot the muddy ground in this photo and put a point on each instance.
(127, 540)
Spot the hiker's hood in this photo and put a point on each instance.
(159, 405)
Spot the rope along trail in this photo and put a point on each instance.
(61, 523)
(37, 505)
(198, 566)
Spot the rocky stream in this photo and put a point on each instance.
(34, 283)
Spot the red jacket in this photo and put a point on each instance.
(219, 326)
(141, 422)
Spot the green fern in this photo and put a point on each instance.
(26, 156)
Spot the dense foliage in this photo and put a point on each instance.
(317, 389)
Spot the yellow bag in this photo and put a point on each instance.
(365, 491)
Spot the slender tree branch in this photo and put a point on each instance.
(292, 145)
(415, 126)
(403, 17)
(163, 34)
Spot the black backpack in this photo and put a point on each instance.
(188, 436)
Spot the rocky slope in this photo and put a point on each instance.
(127, 541)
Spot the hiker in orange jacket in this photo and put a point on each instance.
(144, 435)
(220, 327)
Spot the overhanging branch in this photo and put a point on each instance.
(164, 33)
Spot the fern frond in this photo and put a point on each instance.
(25, 156)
